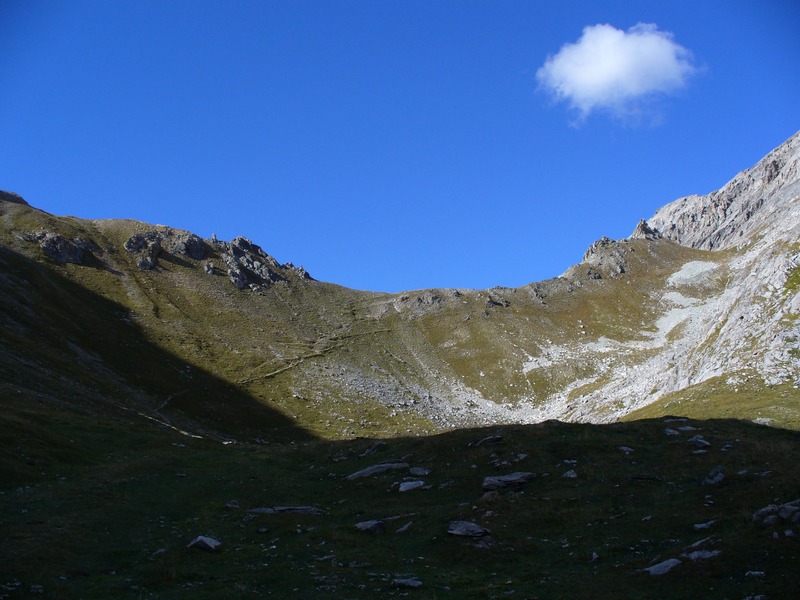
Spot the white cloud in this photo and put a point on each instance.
(614, 70)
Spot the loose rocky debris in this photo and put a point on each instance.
(512, 480)
(779, 515)
(202, 542)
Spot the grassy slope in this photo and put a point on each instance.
(97, 510)
(93, 488)
(339, 362)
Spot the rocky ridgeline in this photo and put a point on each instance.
(147, 246)
(246, 264)
(755, 199)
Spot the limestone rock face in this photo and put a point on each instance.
(765, 196)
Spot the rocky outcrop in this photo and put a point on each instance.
(248, 266)
(62, 250)
(644, 232)
(148, 245)
(607, 255)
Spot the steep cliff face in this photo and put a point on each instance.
(761, 199)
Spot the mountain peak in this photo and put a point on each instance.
(750, 202)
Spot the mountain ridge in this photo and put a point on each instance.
(704, 293)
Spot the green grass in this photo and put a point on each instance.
(747, 399)
(121, 390)
(113, 516)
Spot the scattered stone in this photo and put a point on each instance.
(625, 449)
(407, 486)
(492, 439)
(645, 477)
(771, 520)
(231, 505)
(570, 474)
(303, 510)
(715, 476)
(404, 528)
(466, 529)
(372, 526)
(663, 567)
(701, 526)
(670, 431)
(419, 471)
(512, 480)
(377, 469)
(773, 514)
(203, 542)
(379, 445)
(37, 589)
(701, 555)
(489, 497)
(701, 543)
(687, 428)
(410, 582)
(700, 441)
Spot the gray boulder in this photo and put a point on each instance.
(466, 529)
(377, 469)
(512, 480)
(205, 543)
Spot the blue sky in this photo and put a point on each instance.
(392, 145)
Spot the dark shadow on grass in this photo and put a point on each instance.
(62, 342)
